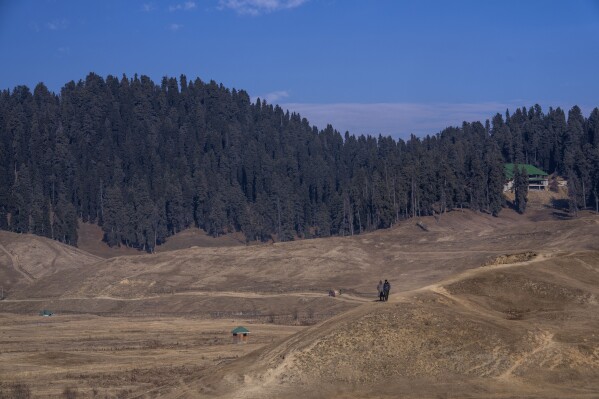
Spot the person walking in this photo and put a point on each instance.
(381, 290)
(386, 289)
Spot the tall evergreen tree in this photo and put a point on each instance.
(521, 188)
(495, 179)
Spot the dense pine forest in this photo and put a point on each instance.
(145, 161)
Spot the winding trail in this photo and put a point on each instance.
(546, 341)
(477, 270)
(16, 266)
(212, 294)
(545, 338)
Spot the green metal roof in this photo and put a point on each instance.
(530, 170)
(240, 330)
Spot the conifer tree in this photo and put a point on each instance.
(495, 179)
(521, 188)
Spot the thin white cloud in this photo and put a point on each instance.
(398, 120)
(257, 7)
(273, 97)
(64, 50)
(175, 27)
(57, 24)
(188, 5)
(148, 7)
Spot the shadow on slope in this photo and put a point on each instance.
(91, 235)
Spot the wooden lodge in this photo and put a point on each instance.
(537, 179)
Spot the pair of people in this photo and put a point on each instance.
(383, 289)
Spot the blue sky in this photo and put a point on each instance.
(381, 66)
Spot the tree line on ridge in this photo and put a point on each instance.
(145, 161)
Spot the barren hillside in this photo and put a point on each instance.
(526, 329)
(26, 259)
(480, 307)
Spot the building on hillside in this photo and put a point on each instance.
(240, 335)
(537, 179)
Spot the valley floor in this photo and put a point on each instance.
(118, 356)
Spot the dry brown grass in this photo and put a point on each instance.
(143, 356)
(480, 307)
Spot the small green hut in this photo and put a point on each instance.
(240, 335)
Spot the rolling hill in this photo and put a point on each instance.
(524, 329)
(26, 259)
(480, 307)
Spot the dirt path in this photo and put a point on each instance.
(344, 297)
(467, 305)
(546, 341)
(210, 294)
(439, 286)
(545, 338)
(15, 264)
